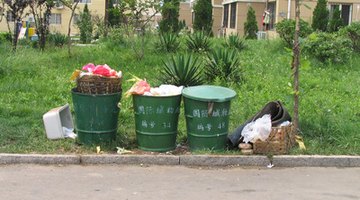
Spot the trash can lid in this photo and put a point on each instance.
(209, 93)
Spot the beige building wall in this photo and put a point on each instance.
(281, 12)
(96, 7)
(185, 13)
(308, 6)
(241, 15)
(217, 16)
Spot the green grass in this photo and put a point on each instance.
(33, 82)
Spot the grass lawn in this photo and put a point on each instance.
(33, 82)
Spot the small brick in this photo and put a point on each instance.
(247, 151)
(245, 146)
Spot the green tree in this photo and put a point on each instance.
(287, 27)
(72, 5)
(170, 16)
(335, 21)
(41, 11)
(85, 25)
(17, 10)
(203, 16)
(115, 14)
(250, 26)
(320, 16)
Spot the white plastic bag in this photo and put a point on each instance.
(258, 129)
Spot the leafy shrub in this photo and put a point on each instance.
(116, 38)
(170, 19)
(335, 22)
(203, 16)
(198, 42)
(2, 72)
(286, 30)
(85, 25)
(320, 16)
(57, 39)
(5, 37)
(183, 70)
(328, 47)
(234, 42)
(353, 33)
(168, 42)
(223, 64)
(250, 26)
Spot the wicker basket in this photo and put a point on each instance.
(93, 84)
(280, 141)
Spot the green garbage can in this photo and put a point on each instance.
(207, 110)
(156, 121)
(96, 117)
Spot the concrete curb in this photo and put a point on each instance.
(184, 160)
(38, 159)
(130, 159)
(223, 160)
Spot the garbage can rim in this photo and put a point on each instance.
(209, 93)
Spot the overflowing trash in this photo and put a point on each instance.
(122, 151)
(98, 70)
(258, 129)
(269, 132)
(142, 87)
(164, 90)
(139, 87)
(69, 133)
(278, 114)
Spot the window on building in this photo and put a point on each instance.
(9, 16)
(76, 18)
(345, 10)
(192, 17)
(83, 1)
(55, 18)
(226, 15)
(233, 15)
(272, 10)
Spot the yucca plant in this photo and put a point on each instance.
(198, 42)
(234, 42)
(168, 42)
(223, 64)
(182, 70)
(58, 39)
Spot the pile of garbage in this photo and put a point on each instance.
(142, 87)
(97, 79)
(96, 70)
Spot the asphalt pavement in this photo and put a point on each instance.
(55, 182)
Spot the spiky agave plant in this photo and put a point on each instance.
(168, 42)
(198, 42)
(182, 70)
(224, 64)
(234, 42)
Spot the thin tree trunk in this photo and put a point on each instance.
(73, 8)
(15, 38)
(296, 65)
(106, 17)
(9, 29)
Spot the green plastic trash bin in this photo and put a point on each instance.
(96, 117)
(207, 110)
(156, 121)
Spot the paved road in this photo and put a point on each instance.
(35, 182)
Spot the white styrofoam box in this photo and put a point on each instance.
(55, 120)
